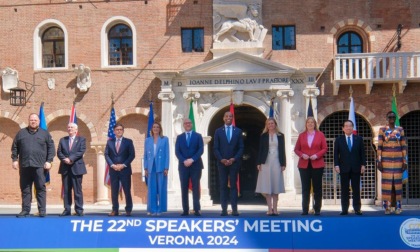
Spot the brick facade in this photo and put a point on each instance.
(158, 24)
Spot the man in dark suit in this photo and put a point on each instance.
(119, 153)
(189, 147)
(72, 168)
(349, 162)
(228, 148)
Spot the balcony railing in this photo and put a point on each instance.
(367, 68)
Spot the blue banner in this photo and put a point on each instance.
(332, 233)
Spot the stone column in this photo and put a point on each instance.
(205, 199)
(310, 93)
(284, 122)
(102, 190)
(166, 95)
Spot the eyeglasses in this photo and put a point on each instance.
(392, 117)
(119, 129)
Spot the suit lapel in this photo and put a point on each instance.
(113, 141)
(75, 141)
(345, 143)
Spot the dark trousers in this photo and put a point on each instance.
(125, 179)
(312, 176)
(185, 174)
(36, 176)
(230, 172)
(345, 179)
(73, 183)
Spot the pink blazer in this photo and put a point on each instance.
(318, 147)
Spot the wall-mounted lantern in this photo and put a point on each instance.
(17, 96)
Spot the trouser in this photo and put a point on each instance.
(314, 176)
(36, 176)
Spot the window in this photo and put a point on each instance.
(192, 39)
(120, 45)
(284, 37)
(53, 51)
(350, 42)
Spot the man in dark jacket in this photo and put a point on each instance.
(72, 168)
(350, 163)
(34, 147)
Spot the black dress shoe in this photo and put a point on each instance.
(185, 213)
(64, 213)
(80, 214)
(224, 213)
(197, 213)
(22, 214)
(317, 213)
(344, 213)
(42, 214)
(304, 213)
(358, 212)
(235, 213)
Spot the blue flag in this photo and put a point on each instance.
(43, 125)
(310, 112)
(151, 119)
(271, 113)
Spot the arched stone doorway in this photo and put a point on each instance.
(332, 127)
(251, 121)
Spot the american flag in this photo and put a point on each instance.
(111, 135)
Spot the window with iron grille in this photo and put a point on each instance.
(192, 39)
(284, 37)
(332, 127)
(53, 52)
(120, 44)
(410, 122)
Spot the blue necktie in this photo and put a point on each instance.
(349, 143)
(188, 138)
(228, 133)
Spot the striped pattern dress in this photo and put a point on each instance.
(392, 150)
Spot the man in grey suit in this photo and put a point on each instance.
(72, 168)
(349, 162)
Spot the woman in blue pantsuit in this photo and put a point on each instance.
(156, 165)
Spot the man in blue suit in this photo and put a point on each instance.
(119, 153)
(349, 162)
(189, 147)
(228, 148)
(72, 168)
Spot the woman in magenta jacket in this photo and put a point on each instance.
(311, 147)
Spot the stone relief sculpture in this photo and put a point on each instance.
(84, 81)
(238, 97)
(10, 79)
(51, 83)
(178, 122)
(205, 101)
(230, 19)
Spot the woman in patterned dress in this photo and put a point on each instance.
(392, 161)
